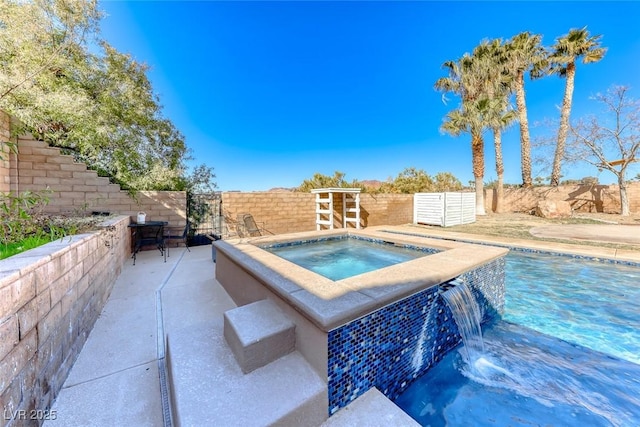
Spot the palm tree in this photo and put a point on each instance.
(567, 49)
(494, 107)
(498, 116)
(524, 52)
(465, 80)
(468, 118)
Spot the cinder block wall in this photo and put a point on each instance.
(277, 213)
(77, 190)
(386, 209)
(5, 155)
(48, 305)
(287, 212)
(583, 198)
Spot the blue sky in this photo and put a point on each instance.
(268, 93)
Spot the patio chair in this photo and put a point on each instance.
(250, 226)
(177, 234)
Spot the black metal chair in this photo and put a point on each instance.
(178, 234)
(150, 235)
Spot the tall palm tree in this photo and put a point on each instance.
(566, 51)
(465, 80)
(498, 119)
(468, 119)
(494, 106)
(524, 52)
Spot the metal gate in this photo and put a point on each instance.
(206, 210)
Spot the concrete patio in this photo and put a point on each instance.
(116, 380)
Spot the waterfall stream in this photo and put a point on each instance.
(467, 315)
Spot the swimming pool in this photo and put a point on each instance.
(590, 303)
(346, 256)
(372, 309)
(566, 352)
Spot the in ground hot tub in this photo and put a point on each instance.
(381, 326)
(346, 255)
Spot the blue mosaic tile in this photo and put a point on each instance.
(395, 345)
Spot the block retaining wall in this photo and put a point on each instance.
(50, 298)
(583, 198)
(5, 159)
(72, 187)
(76, 190)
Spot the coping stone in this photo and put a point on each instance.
(258, 333)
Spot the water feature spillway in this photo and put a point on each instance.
(561, 354)
(467, 315)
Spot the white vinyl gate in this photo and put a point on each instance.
(444, 209)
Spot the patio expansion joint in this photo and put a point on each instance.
(163, 376)
(109, 374)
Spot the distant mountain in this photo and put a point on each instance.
(281, 190)
(373, 184)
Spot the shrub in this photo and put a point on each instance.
(22, 226)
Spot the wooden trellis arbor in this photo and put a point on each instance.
(325, 207)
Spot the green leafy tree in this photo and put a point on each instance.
(324, 181)
(199, 185)
(38, 38)
(98, 105)
(566, 52)
(410, 180)
(446, 181)
(135, 139)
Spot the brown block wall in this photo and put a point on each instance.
(276, 213)
(48, 306)
(386, 209)
(76, 190)
(583, 198)
(6, 156)
(279, 213)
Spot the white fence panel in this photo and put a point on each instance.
(444, 209)
(452, 209)
(468, 208)
(428, 208)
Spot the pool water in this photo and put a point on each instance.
(594, 304)
(340, 258)
(565, 353)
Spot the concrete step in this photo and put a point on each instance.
(207, 385)
(258, 334)
(372, 409)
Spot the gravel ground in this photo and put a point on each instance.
(518, 225)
